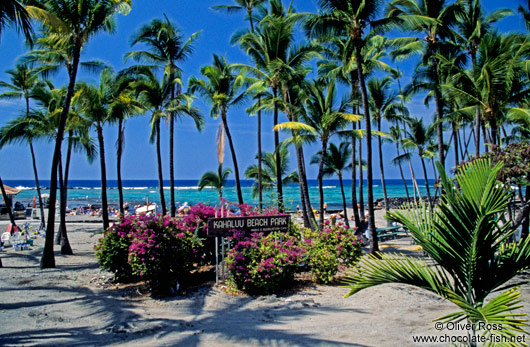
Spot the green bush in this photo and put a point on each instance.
(112, 251)
(331, 249)
(264, 265)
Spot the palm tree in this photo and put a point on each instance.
(419, 137)
(336, 162)
(221, 90)
(166, 48)
(216, 180)
(498, 81)
(472, 258)
(74, 22)
(14, 12)
(395, 136)
(269, 171)
(100, 105)
(272, 49)
(249, 6)
(155, 97)
(322, 120)
(384, 104)
(23, 81)
(352, 19)
(26, 129)
(473, 25)
(435, 19)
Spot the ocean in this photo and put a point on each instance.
(84, 192)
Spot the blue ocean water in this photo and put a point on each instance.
(84, 192)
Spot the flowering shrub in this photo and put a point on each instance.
(161, 253)
(263, 264)
(334, 247)
(112, 251)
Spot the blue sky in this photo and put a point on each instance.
(196, 152)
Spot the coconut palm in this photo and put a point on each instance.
(23, 81)
(154, 96)
(166, 48)
(73, 22)
(473, 25)
(269, 171)
(419, 137)
(322, 120)
(275, 56)
(215, 180)
(435, 19)
(353, 19)
(26, 129)
(497, 83)
(472, 258)
(249, 6)
(100, 105)
(385, 105)
(336, 162)
(222, 89)
(13, 11)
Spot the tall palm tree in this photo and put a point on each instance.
(154, 96)
(435, 19)
(352, 19)
(26, 129)
(336, 162)
(322, 120)
(222, 89)
(497, 83)
(384, 104)
(269, 171)
(13, 11)
(473, 25)
(100, 105)
(74, 22)
(166, 48)
(249, 6)
(216, 180)
(419, 137)
(272, 49)
(23, 81)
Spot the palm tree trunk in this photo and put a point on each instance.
(494, 132)
(63, 181)
(361, 179)
(8, 203)
(426, 180)
(439, 110)
(455, 143)
(62, 236)
(354, 182)
(486, 139)
(159, 163)
(320, 183)
(343, 200)
(279, 183)
(260, 185)
(303, 187)
(415, 186)
(173, 208)
(48, 259)
(401, 173)
(526, 222)
(303, 179)
(234, 158)
(104, 203)
(119, 152)
(381, 166)
(374, 246)
(41, 205)
(477, 112)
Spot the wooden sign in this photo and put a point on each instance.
(261, 224)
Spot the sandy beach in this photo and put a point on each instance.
(77, 305)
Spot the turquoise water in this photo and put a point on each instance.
(84, 192)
